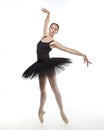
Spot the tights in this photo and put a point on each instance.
(53, 84)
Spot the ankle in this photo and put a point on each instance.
(40, 110)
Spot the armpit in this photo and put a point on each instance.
(52, 45)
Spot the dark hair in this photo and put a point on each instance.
(55, 24)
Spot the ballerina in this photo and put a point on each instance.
(46, 67)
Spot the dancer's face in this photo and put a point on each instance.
(53, 29)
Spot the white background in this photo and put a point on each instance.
(82, 88)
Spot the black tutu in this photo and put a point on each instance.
(44, 64)
(49, 66)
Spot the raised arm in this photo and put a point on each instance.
(46, 21)
(71, 51)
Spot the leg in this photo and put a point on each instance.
(52, 80)
(42, 83)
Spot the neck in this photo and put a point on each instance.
(51, 36)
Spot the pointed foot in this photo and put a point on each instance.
(40, 114)
(64, 117)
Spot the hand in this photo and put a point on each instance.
(45, 11)
(86, 60)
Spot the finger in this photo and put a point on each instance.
(84, 60)
(87, 64)
(42, 9)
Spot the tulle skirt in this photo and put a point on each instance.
(49, 67)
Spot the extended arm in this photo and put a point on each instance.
(46, 21)
(71, 51)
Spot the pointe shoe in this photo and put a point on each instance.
(40, 114)
(64, 117)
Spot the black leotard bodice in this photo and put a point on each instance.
(43, 49)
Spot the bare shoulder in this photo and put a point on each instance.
(54, 44)
(58, 45)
